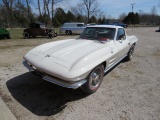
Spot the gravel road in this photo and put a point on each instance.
(131, 91)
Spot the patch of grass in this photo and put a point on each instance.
(16, 33)
(11, 47)
(57, 30)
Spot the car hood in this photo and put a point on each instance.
(72, 50)
(65, 53)
(61, 58)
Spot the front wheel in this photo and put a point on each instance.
(130, 53)
(94, 80)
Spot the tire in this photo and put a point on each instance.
(70, 32)
(67, 32)
(26, 35)
(130, 53)
(50, 35)
(94, 80)
(8, 37)
(55, 34)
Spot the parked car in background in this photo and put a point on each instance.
(116, 24)
(120, 24)
(89, 24)
(70, 28)
(4, 33)
(82, 62)
(38, 29)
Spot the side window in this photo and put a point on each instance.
(32, 25)
(80, 25)
(121, 34)
(37, 25)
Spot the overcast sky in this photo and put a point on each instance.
(116, 7)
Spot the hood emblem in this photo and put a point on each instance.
(47, 56)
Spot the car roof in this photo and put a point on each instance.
(37, 23)
(106, 26)
(74, 23)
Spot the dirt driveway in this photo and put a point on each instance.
(131, 91)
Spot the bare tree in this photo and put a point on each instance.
(78, 9)
(28, 9)
(53, 2)
(9, 5)
(52, 10)
(91, 7)
(122, 16)
(39, 8)
(9, 9)
(153, 10)
(44, 6)
(153, 14)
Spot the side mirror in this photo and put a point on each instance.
(122, 37)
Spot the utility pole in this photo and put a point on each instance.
(140, 12)
(132, 6)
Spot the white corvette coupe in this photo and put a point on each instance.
(82, 62)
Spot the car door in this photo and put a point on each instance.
(122, 43)
(114, 51)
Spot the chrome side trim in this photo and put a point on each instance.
(114, 64)
(59, 82)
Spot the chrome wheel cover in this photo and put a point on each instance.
(95, 78)
(131, 52)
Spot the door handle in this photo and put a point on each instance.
(129, 43)
(111, 51)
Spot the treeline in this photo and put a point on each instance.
(145, 19)
(19, 13)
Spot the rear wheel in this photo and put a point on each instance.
(26, 35)
(67, 32)
(94, 80)
(50, 35)
(70, 32)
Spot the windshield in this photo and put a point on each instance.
(98, 33)
(42, 26)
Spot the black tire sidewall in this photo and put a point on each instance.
(50, 35)
(128, 58)
(70, 32)
(86, 87)
(26, 35)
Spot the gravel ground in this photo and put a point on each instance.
(131, 91)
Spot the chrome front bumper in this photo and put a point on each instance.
(54, 80)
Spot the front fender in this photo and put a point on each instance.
(89, 62)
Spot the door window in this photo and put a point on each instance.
(121, 34)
